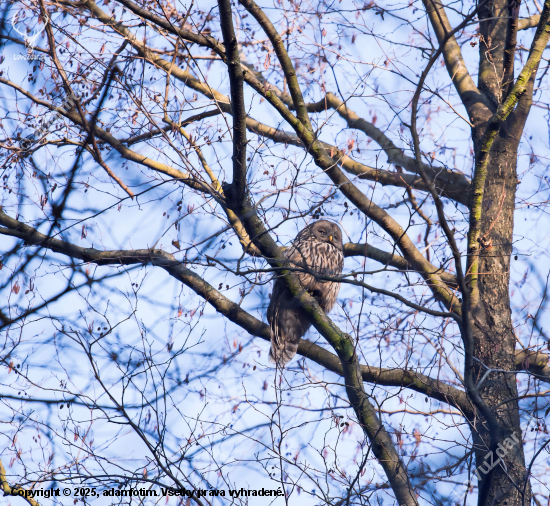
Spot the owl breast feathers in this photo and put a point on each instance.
(318, 247)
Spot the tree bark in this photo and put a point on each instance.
(494, 339)
(491, 318)
(491, 322)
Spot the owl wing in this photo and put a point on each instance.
(330, 262)
(286, 317)
(301, 256)
(287, 320)
(322, 258)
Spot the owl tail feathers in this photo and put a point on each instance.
(282, 354)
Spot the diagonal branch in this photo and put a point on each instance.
(380, 376)
(458, 192)
(246, 243)
(418, 157)
(182, 75)
(353, 249)
(380, 440)
(16, 490)
(476, 104)
(451, 184)
(530, 22)
(284, 60)
(384, 377)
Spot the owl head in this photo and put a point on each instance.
(323, 231)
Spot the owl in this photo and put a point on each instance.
(317, 247)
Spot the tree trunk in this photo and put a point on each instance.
(491, 320)
(494, 338)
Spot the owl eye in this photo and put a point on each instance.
(322, 231)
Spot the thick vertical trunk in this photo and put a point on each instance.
(494, 338)
(491, 319)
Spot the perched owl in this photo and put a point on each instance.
(317, 247)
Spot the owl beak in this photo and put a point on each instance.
(330, 238)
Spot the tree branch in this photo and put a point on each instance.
(284, 60)
(353, 249)
(477, 105)
(452, 185)
(182, 75)
(381, 443)
(236, 192)
(16, 490)
(530, 22)
(459, 193)
(233, 312)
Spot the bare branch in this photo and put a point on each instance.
(237, 190)
(450, 184)
(352, 249)
(385, 377)
(16, 490)
(477, 105)
(530, 22)
(282, 55)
